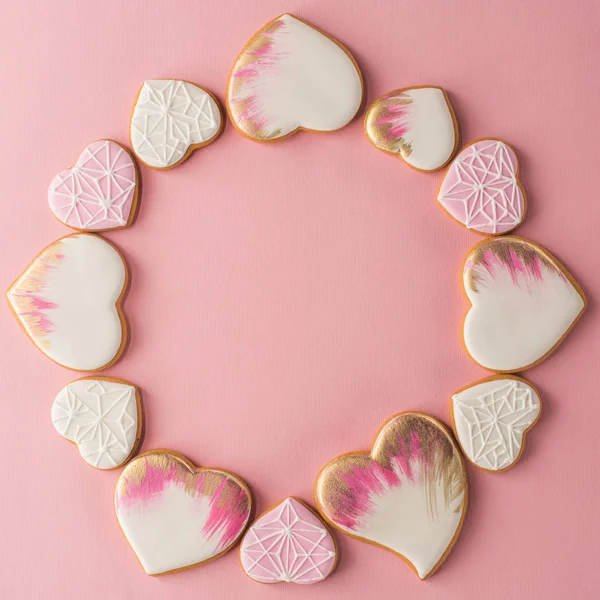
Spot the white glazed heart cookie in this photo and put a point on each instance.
(288, 543)
(102, 416)
(409, 495)
(99, 192)
(491, 418)
(68, 301)
(172, 118)
(292, 76)
(415, 123)
(524, 302)
(177, 516)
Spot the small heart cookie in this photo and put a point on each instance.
(172, 118)
(292, 76)
(99, 192)
(524, 302)
(68, 301)
(491, 418)
(288, 543)
(481, 189)
(177, 516)
(409, 495)
(415, 123)
(102, 416)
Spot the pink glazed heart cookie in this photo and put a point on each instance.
(288, 543)
(524, 302)
(408, 495)
(481, 189)
(68, 301)
(292, 76)
(417, 124)
(100, 192)
(176, 516)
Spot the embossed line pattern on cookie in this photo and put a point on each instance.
(481, 188)
(101, 417)
(491, 418)
(171, 116)
(98, 192)
(288, 544)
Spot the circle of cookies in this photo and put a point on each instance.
(409, 493)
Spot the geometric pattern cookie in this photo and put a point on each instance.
(288, 543)
(292, 76)
(481, 189)
(408, 495)
(100, 192)
(102, 416)
(415, 123)
(524, 302)
(170, 120)
(68, 301)
(491, 418)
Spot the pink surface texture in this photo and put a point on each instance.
(288, 298)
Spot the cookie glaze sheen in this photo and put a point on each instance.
(481, 189)
(491, 418)
(68, 302)
(523, 303)
(417, 124)
(171, 118)
(288, 543)
(292, 76)
(176, 516)
(99, 192)
(409, 495)
(102, 417)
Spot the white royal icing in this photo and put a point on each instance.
(170, 117)
(523, 304)
(290, 76)
(417, 123)
(66, 300)
(101, 417)
(490, 419)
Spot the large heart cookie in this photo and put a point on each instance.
(288, 543)
(172, 118)
(491, 418)
(68, 301)
(481, 189)
(176, 516)
(102, 416)
(524, 302)
(415, 123)
(99, 192)
(292, 76)
(409, 495)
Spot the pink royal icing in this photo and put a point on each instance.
(98, 192)
(481, 189)
(288, 544)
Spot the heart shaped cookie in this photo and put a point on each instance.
(99, 192)
(415, 123)
(175, 515)
(292, 76)
(172, 118)
(491, 418)
(524, 302)
(68, 301)
(481, 189)
(102, 416)
(409, 495)
(288, 543)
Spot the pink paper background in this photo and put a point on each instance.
(287, 299)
